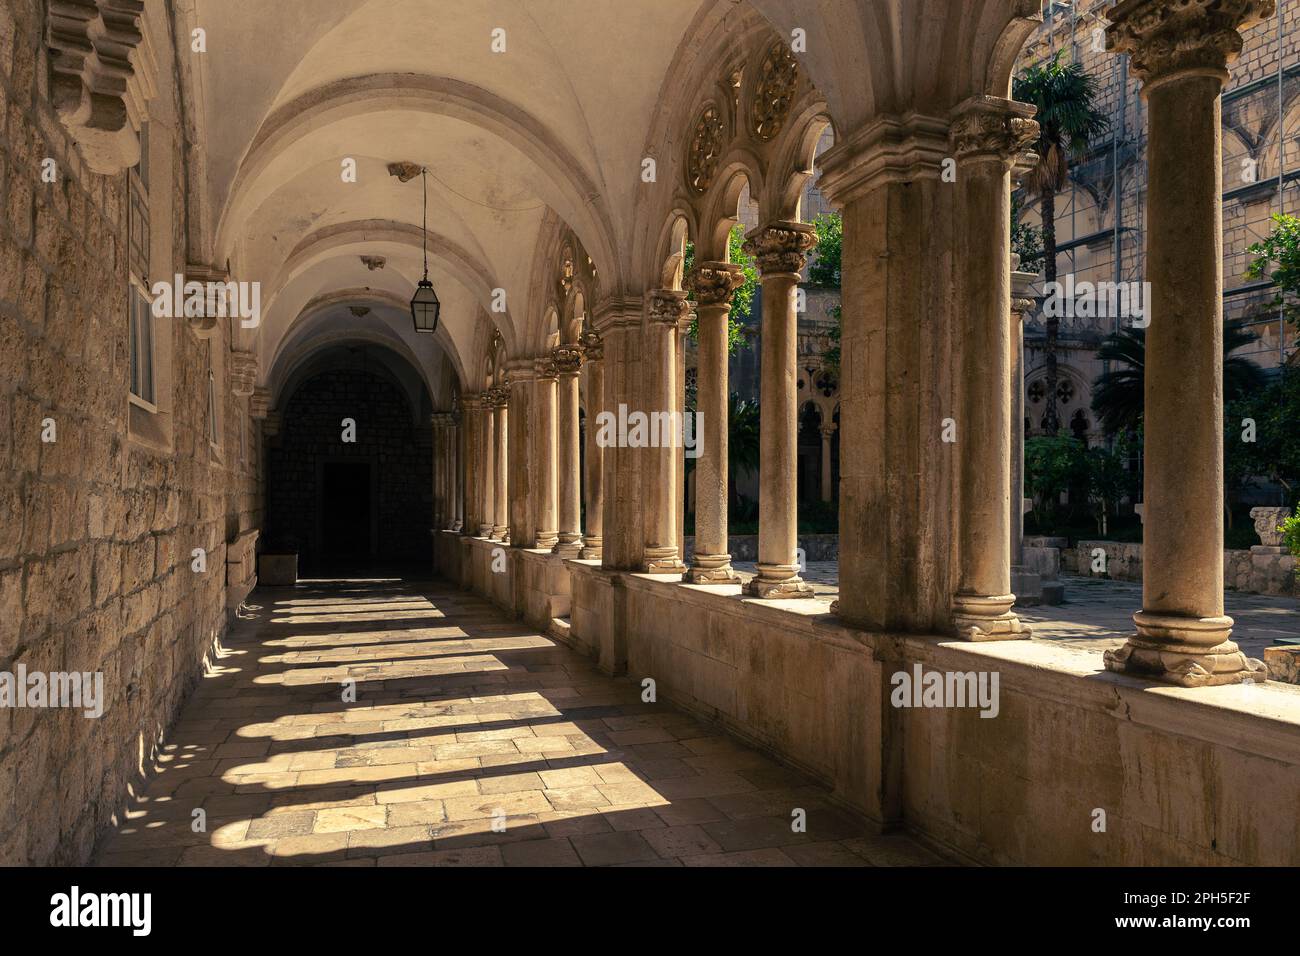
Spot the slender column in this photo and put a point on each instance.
(713, 284)
(781, 249)
(667, 308)
(568, 363)
(594, 361)
(679, 414)
(520, 455)
(1020, 306)
(487, 457)
(545, 535)
(457, 472)
(1180, 51)
(988, 135)
(500, 515)
(828, 487)
(472, 496)
(439, 433)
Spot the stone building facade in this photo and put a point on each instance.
(1100, 216)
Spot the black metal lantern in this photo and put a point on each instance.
(424, 304)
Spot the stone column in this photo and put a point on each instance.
(568, 363)
(439, 479)
(1021, 304)
(828, 486)
(988, 135)
(519, 455)
(488, 466)
(500, 482)
(471, 497)
(896, 479)
(667, 309)
(594, 356)
(780, 249)
(620, 320)
(457, 473)
(545, 534)
(1180, 51)
(713, 284)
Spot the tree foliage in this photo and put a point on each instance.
(1277, 257)
(1117, 394)
(742, 300)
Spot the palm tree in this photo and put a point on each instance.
(1067, 124)
(1117, 395)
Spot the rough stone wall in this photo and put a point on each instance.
(1257, 571)
(96, 528)
(385, 435)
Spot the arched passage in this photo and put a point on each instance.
(349, 472)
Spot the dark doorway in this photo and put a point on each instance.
(347, 510)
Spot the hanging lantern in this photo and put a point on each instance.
(424, 304)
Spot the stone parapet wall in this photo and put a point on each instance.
(1261, 570)
(744, 547)
(1023, 786)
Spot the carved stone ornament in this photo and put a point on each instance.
(669, 306)
(260, 404)
(774, 89)
(374, 262)
(1167, 37)
(991, 126)
(593, 346)
(781, 247)
(714, 282)
(102, 72)
(404, 171)
(705, 149)
(243, 372)
(567, 359)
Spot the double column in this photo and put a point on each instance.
(488, 463)
(781, 250)
(1180, 52)
(668, 308)
(594, 362)
(712, 284)
(568, 363)
(472, 438)
(988, 135)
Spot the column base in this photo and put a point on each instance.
(662, 561)
(546, 540)
(1186, 651)
(591, 548)
(711, 569)
(570, 548)
(778, 582)
(499, 532)
(485, 531)
(987, 618)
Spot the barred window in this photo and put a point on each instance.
(141, 344)
(139, 316)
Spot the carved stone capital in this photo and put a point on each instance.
(1168, 38)
(260, 404)
(781, 246)
(593, 346)
(668, 306)
(243, 372)
(496, 397)
(990, 127)
(567, 359)
(714, 282)
(546, 370)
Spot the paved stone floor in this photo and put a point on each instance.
(472, 741)
(1098, 613)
